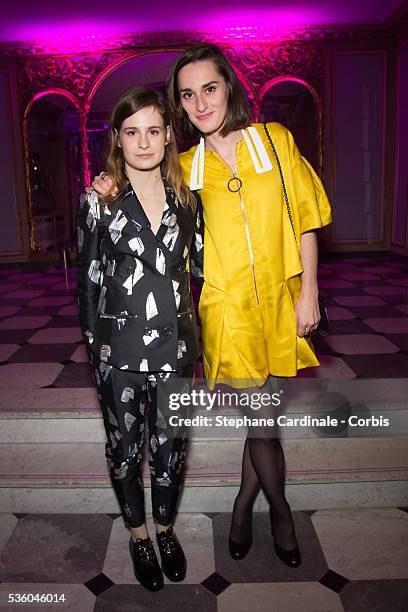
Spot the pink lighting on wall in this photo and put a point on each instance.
(240, 23)
(49, 20)
(54, 91)
(282, 79)
(72, 29)
(245, 18)
(79, 37)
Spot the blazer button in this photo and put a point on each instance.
(166, 331)
(181, 268)
(147, 331)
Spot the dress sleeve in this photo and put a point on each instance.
(197, 247)
(307, 197)
(311, 199)
(89, 227)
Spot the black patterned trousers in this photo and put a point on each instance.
(127, 399)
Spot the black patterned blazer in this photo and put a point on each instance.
(135, 304)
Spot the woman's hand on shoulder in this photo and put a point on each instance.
(102, 184)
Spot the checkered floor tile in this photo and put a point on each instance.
(353, 560)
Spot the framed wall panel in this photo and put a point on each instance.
(400, 208)
(358, 130)
(10, 243)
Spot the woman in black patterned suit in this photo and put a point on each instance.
(137, 313)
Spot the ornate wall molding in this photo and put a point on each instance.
(256, 63)
(261, 63)
(72, 73)
(261, 57)
(80, 74)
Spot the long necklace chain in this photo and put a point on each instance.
(234, 184)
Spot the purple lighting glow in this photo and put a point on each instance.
(243, 19)
(73, 29)
(48, 20)
(76, 28)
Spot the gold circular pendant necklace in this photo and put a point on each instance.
(234, 184)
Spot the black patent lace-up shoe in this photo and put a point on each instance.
(145, 564)
(174, 563)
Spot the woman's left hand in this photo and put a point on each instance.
(307, 315)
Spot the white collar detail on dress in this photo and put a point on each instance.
(256, 148)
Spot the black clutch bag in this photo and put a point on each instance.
(323, 327)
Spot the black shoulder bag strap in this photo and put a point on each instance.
(285, 193)
(323, 327)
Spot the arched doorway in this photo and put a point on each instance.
(294, 103)
(53, 162)
(148, 69)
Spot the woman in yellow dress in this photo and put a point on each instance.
(259, 301)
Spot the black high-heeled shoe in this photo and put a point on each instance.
(290, 557)
(239, 550)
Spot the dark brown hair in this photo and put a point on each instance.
(238, 114)
(131, 102)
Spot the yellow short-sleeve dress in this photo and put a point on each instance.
(252, 266)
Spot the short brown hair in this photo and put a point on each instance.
(238, 113)
(131, 102)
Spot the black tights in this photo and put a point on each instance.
(263, 466)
